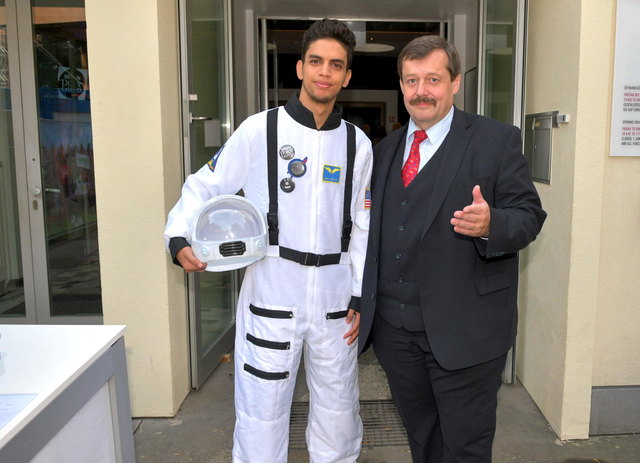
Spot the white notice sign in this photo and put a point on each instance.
(12, 404)
(625, 111)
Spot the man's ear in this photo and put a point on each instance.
(456, 84)
(347, 78)
(299, 69)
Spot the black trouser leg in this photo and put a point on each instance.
(450, 415)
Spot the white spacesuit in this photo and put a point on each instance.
(296, 303)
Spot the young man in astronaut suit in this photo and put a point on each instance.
(307, 301)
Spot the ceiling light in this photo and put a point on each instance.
(374, 47)
(359, 29)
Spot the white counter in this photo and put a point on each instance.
(68, 388)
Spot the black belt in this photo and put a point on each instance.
(308, 258)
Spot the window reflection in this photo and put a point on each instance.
(66, 158)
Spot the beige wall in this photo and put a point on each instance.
(542, 332)
(617, 340)
(135, 99)
(580, 319)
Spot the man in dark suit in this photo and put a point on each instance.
(452, 204)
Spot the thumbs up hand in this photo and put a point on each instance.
(474, 220)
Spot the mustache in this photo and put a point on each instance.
(422, 100)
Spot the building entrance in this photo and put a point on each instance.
(489, 35)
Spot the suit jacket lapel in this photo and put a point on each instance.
(384, 166)
(455, 150)
(382, 172)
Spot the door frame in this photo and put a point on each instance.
(259, 34)
(20, 157)
(517, 115)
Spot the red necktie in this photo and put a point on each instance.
(410, 168)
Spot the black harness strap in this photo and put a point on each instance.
(272, 175)
(347, 225)
(306, 258)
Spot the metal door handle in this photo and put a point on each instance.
(199, 118)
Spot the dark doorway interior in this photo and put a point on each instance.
(374, 64)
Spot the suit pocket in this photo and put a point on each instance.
(268, 375)
(461, 194)
(491, 283)
(270, 313)
(270, 333)
(467, 184)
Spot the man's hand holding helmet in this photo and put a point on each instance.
(189, 261)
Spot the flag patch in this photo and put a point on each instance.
(331, 174)
(367, 198)
(214, 160)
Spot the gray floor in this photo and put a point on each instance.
(202, 430)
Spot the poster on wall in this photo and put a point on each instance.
(67, 172)
(625, 111)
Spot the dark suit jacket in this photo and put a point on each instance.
(468, 286)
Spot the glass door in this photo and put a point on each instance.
(51, 192)
(59, 37)
(206, 88)
(502, 57)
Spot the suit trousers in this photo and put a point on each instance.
(450, 415)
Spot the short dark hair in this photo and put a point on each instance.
(420, 47)
(330, 29)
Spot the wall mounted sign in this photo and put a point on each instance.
(625, 111)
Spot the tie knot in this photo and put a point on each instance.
(419, 136)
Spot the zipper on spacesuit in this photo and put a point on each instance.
(265, 374)
(337, 315)
(270, 313)
(268, 344)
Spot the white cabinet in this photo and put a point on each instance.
(64, 395)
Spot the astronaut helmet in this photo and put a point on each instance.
(228, 233)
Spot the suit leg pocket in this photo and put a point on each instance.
(269, 339)
(336, 315)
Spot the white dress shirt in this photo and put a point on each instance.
(435, 134)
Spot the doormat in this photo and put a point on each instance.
(382, 426)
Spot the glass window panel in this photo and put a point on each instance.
(66, 157)
(499, 59)
(209, 82)
(208, 78)
(217, 302)
(11, 276)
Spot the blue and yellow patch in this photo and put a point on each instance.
(214, 160)
(331, 174)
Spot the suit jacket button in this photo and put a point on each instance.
(403, 306)
(373, 296)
